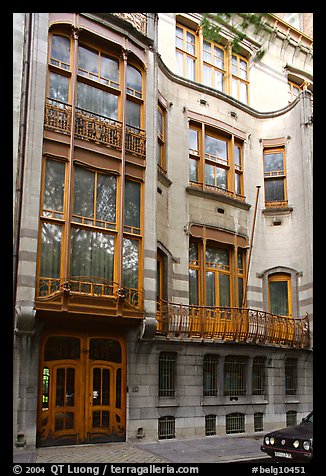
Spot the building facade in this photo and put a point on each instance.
(162, 228)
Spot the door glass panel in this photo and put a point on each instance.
(210, 288)
(118, 389)
(97, 386)
(105, 387)
(105, 349)
(60, 388)
(45, 388)
(60, 347)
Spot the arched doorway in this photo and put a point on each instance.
(82, 390)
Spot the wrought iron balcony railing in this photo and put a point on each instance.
(231, 324)
(94, 128)
(88, 286)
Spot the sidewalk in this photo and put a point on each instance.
(211, 449)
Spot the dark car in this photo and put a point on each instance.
(293, 443)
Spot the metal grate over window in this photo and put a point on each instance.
(210, 375)
(291, 376)
(210, 425)
(166, 427)
(258, 421)
(167, 374)
(235, 423)
(235, 375)
(258, 376)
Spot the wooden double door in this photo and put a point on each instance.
(82, 390)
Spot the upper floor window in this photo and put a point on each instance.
(294, 90)
(215, 161)
(161, 138)
(279, 293)
(210, 63)
(186, 52)
(240, 82)
(95, 65)
(60, 52)
(275, 177)
(211, 274)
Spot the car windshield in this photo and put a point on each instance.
(308, 418)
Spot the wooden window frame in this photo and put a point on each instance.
(278, 175)
(202, 158)
(227, 71)
(281, 277)
(161, 162)
(185, 54)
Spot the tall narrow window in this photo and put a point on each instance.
(258, 376)
(275, 177)
(213, 65)
(130, 263)
(240, 83)
(217, 277)
(216, 162)
(240, 275)
(132, 207)
(280, 300)
(134, 97)
(238, 172)
(166, 383)
(186, 52)
(291, 376)
(235, 368)
(193, 273)
(161, 139)
(210, 375)
(194, 158)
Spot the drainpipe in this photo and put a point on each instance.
(125, 52)
(21, 152)
(244, 300)
(75, 35)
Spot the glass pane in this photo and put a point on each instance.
(209, 174)
(240, 292)
(234, 65)
(219, 57)
(59, 87)
(237, 155)
(218, 80)
(96, 386)
(237, 184)
(92, 254)
(224, 289)
(159, 121)
(60, 49)
(207, 75)
(60, 388)
(62, 348)
(273, 162)
(70, 387)
(83, 192)
(105, 349)
(207, 51)
(133, 114)
(243, 69)
(221, 178)
(274, 190)
(50, 250)
(134, 79)
(193, 170)
(45, 388)
(130, 263)
(216, 147)
(110, 69)
(179, 63)
(210, 288)
(193, 140)
(106, 198)
(132, 204)
(193, 251)
(191, 72)
(97, 101)
(118, 389)
(193, 286)
(54, 185)
(279, 297)
(234, 88)
(190, 38)
(106, 387)
(87, 60)
(244, 92)
(216, 256)
(179, 38)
